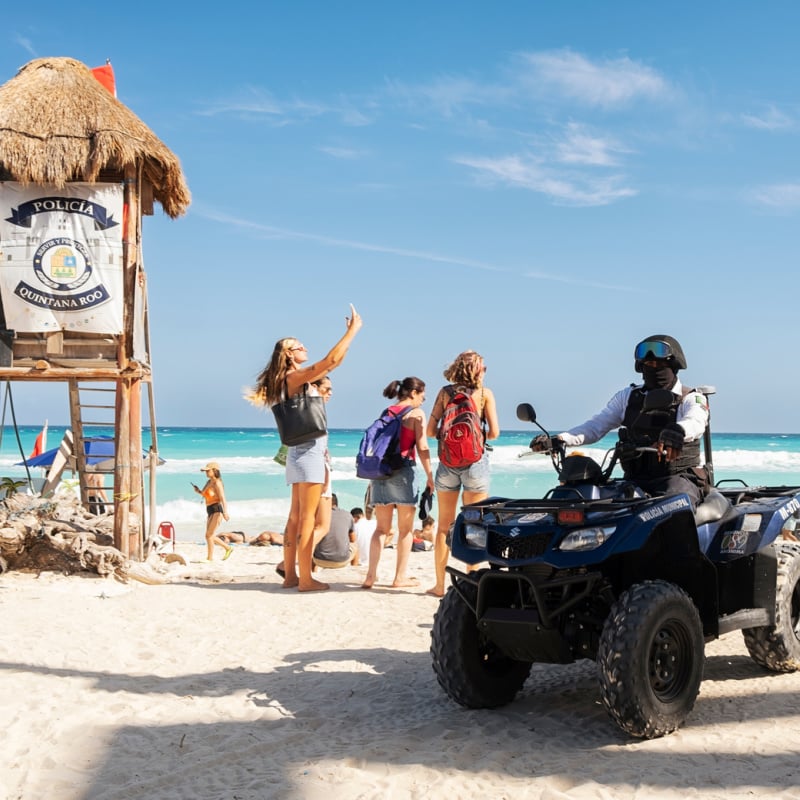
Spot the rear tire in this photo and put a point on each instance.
(470, 668)
(651, 658)
(777, 647)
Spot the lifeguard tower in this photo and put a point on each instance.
(78, 171)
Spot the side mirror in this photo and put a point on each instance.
(526, 413)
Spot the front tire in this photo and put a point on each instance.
(471, 669)
(777, 647)
(651, 658)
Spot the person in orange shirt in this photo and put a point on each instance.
(216, 509)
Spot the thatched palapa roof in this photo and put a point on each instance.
(59, 124)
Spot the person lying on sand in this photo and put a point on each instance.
(266, 538)
(233, 537)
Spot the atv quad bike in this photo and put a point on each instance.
(596, 569)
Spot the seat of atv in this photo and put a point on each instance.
(714, 506)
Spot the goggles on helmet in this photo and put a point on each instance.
(655, 349)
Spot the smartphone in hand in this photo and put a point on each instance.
(195, 486)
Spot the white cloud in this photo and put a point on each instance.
(271, 232)
(562, 76)
(449, 94)
(580, 147)
(345, 153)
(563, 188)
(559, 74)
(773, 119)
(780, 196)
(256, 102)
(606, 83)
(25, 43)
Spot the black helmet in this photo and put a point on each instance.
(659, 346)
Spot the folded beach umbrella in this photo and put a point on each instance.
(99, 453)
(97, 450)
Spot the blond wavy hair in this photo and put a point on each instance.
(466, 370)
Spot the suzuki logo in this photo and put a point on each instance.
(514, 532)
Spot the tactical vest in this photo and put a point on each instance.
(643, 431)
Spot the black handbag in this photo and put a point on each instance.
(300, 418)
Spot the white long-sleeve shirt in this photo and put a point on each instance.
(692, 417)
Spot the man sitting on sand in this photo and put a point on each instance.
(424, 536)
(338, 547)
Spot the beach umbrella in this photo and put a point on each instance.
(96, 450)
(99, 454)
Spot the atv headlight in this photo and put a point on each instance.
(586, 539)
(475, 535)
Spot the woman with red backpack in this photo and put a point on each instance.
(464, 416)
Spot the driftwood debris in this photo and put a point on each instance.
(43, 534)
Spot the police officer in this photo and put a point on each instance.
(675, 431)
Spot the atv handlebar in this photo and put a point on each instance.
(544, 443)
(556, 448)
(553, 446)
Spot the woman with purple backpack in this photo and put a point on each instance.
(399, 491)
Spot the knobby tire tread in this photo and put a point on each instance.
(777, 647)
(626, 652)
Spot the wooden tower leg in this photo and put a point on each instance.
(128, 484)
(122, 472)
(136, 536)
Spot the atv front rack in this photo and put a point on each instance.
(504, 508)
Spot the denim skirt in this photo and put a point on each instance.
(399, 489)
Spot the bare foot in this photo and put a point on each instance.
(435, 592)
(313, 586)
(290, 582)
(368, 583)
(405, 583)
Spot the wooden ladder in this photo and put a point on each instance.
(92, 405)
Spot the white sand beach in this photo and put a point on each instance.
(223, 685)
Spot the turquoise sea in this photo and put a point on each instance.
(258, 495)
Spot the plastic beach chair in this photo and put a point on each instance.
(166, 536)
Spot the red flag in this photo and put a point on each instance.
(105, 75)
(41, 443)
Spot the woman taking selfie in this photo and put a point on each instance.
(288, 374)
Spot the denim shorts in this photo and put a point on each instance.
(305, 463)
(399, 489)
(474, 478)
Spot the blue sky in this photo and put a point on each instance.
(545, 183)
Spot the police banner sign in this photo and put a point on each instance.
(61, 257)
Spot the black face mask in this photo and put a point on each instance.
(661, 377)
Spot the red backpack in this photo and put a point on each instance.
(461, 437)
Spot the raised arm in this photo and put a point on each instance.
(319, 369)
